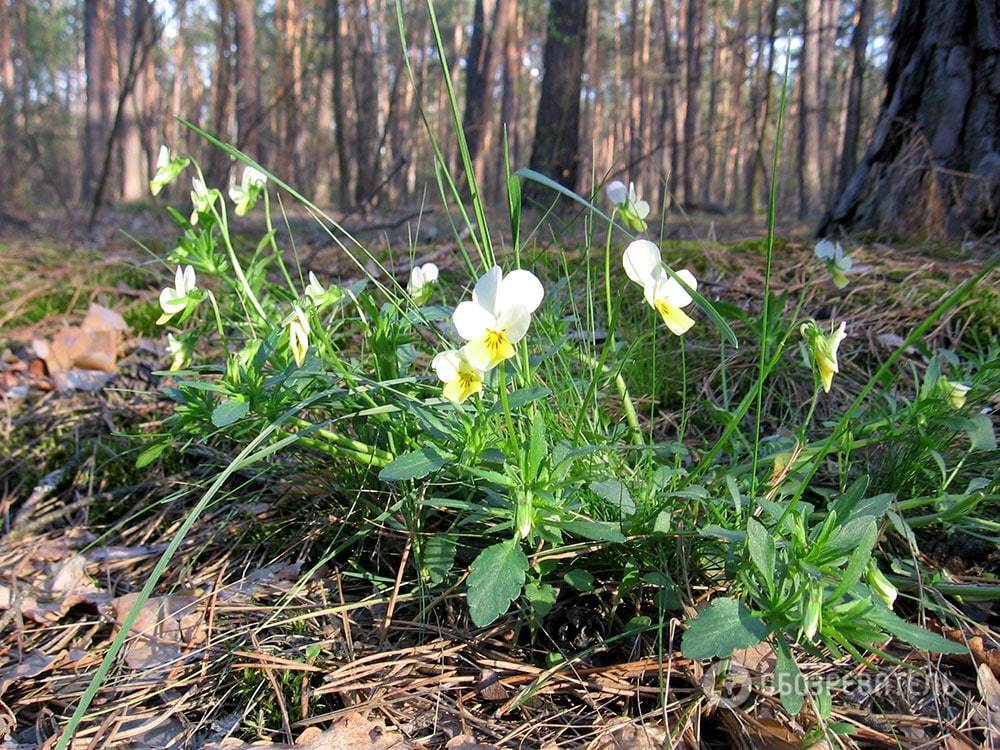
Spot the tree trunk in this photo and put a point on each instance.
(93, 133)
(692, 112)
(343, 191)
(932, 166)
(248, 114)
(761, 113)
(852, 119)
(555, 151)
(365, 81)
(478, 79)
(218, 162)
(809, 134)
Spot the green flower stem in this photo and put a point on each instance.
(273, 243)
(222, 218)
(627, 405)
(218, 316)
(607, 277)
(360, 450)
(366, 459)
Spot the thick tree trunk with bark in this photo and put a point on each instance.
(248, 114)
(852, 117)
(809, 123)
(933, 164)
(555, 151)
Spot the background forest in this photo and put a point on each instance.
(676, 96)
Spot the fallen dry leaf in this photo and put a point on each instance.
(165, 627)
(31, 665)
(350, 732)
(630, 736)
(760, 658)
(467, 742)
(62, 585)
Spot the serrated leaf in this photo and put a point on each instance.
(413, 465)
(615, 493)
(723, 626)
(760, 545)
(229, 411)
(497, 576)
(913, 634)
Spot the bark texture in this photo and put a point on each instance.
(555, 151)
(932, 167)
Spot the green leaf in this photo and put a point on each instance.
(723, 626)
(519, 398)
(913, 634)
(439, 557)
(580, 579)
(149, 455)
(791, 685)
(538, 448)
(760, 545)
(496, 579)
(229, 411)
(981, 435)
(858, 561)
(541, 597)
(596, 531)
(615, 493)
(413, 465)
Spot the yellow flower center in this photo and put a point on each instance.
(494, 348)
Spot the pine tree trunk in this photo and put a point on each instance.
(852, 118)
(932, 166)
(555, 151)
(93, 133)
(343, 191)
(692, 112)
(248, 116)
(809, 133)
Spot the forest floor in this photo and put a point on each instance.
(253, 646)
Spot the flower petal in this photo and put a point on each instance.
(430, 271)
(515, 321)
(676, 294)
(487, 289)
(678, 321)
(642, 209)
(446, 365)
(171, 302)
(519, 289)
(617, 192)
(641, 259)
(190, 280)
(472, 320)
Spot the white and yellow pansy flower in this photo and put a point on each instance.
(245, 193)
(202, 198)
(167, 169)
(632, 211)
(498, 315)
(663, 292)
(175, 299)
(954, 392)
(298, 335)
(838, 263)
(461, 378)
(823, 347)
(421, 283)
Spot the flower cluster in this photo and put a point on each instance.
(491, 323)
